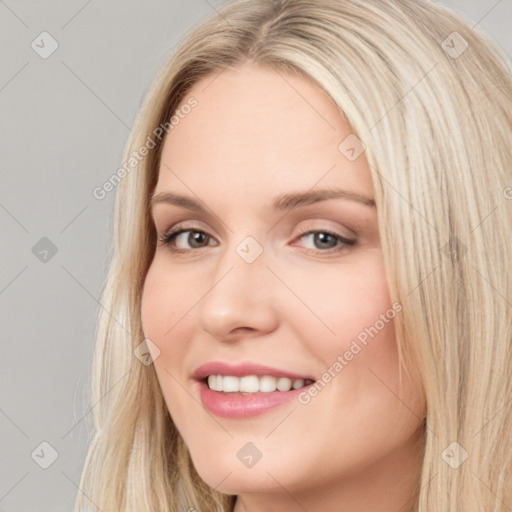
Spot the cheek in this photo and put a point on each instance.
(154, 296)
(166, 298)
(346, 303)
(165, 302)
(352, 336)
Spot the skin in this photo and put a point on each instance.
(356, 446)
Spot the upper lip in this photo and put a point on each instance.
(243, 369)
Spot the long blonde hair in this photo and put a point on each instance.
(431, 100)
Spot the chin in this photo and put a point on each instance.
(232, 477)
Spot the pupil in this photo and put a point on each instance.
(195, 237)
(322, 238)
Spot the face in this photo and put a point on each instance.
(270, 281)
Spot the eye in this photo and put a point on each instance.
(326, 241)
(193, 237)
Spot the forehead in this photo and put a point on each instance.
(254, 128)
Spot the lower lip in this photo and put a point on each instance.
(244, 406)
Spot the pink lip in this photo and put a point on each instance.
(234, 405)
(244, 406)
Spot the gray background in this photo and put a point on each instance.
(65, 120)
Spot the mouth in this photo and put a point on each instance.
(247, 390)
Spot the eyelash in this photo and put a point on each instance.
(169, 238)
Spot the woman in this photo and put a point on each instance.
(309, 301)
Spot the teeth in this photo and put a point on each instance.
(249, 384)
(254, 384)
(230, 384)
(284, 384)
(298, 383)
(268, 384)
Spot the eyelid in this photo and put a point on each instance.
(193, 225)
(324, 225)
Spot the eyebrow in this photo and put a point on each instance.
(281, 203)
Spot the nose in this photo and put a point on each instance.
(241, 299)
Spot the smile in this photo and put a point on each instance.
(244, 390)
